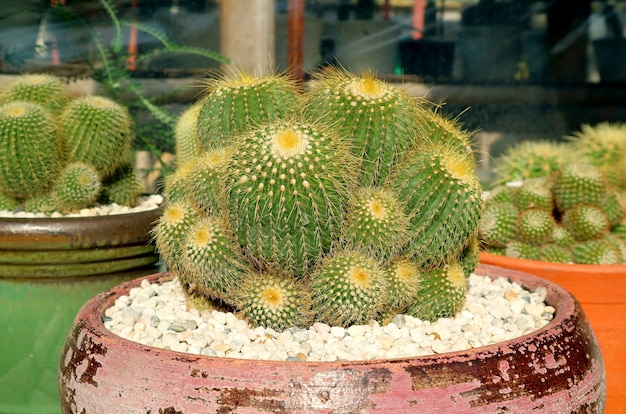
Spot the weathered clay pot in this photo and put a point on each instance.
(49, 268)
(557, 369)
(601, 291)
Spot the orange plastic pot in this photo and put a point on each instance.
(556, 369)
(601, 290)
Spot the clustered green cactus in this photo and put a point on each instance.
(574, 216)
(63, 153)
(350, 202)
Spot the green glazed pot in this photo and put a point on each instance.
(49, 267)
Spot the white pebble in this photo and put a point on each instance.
(156, 315)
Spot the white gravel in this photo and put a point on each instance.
(144, 203)
(495, 311)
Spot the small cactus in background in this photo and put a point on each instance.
(63, 154)
(354, 202)
(604, 146)
(531, 159)
(586, 211)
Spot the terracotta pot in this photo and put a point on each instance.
(556, 369)
(49, 268)
(601, 290)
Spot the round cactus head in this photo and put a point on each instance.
(531, 159)
(348, 288)
(43, 89)
(443, 199)
(287, 188)
(376, 222)
(30, 156)
(78, 186)
(98, 131)
(379, 119)
(238, 103)
(274, 300)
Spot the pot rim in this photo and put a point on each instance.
(534, 265)
(47, 233)
(566, 308)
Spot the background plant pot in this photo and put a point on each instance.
(558, 367)
(601, 290)
(49, 268)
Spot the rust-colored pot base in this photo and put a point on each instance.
(601, 291)
(556, 369)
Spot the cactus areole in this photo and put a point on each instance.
(292, 214)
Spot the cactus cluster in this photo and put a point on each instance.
(63, 153)
(348, 202)
(572, 216)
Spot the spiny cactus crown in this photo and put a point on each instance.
(350, 206)
(43, 132)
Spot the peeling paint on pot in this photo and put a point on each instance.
(601, 291)
(556, 369)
